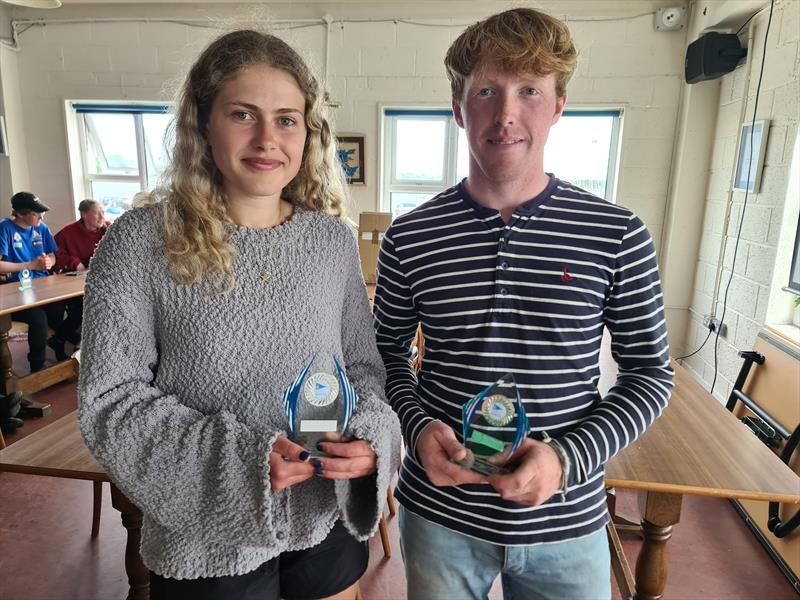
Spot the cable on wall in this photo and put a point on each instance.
(746, 194)
(700, 348)
(289, 24)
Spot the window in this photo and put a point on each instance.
(425, 152)
(794, 274)
(123, 151)
(582, 148)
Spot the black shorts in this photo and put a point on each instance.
(324, 570)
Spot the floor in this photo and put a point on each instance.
(46, 552)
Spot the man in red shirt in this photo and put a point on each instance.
(76, 244)
(77, 241)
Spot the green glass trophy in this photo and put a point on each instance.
(494, 425)
(319, 401)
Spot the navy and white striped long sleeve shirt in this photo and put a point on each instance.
(530, 297)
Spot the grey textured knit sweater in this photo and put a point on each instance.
(180, 391)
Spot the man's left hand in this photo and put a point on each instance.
(537, 477)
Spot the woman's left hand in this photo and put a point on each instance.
(353, 459)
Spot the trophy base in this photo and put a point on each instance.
(484, 467)
(310, 441)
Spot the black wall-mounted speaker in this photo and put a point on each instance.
(712, 55)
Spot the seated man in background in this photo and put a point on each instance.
(77, 241)
(27, 244)
(76, 244)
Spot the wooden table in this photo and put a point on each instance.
(696, 447)
(43, 290)
(58, 450)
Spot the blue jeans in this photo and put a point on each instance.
(444, 565)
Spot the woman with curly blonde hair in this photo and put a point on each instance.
(201, 308)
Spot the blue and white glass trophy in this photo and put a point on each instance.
(494, 425)
(24, 280)
(319, 401)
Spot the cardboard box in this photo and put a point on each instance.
(371, 227)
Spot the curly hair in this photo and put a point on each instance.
(190, 197)
(521, 40)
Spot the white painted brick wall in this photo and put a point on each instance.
(750, 288)
(397, 62)
(143, 59)
(621, 62)
(114, 34)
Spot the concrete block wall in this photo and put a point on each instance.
(752, 286)
(623, 62)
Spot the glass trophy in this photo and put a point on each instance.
(319, 401)
(494, 425)
(24, 280)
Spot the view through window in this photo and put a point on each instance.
(123, 150)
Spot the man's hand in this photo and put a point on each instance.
(537, 477)
(353, 458)
(437, 447)
(288, 464)
(42, 262)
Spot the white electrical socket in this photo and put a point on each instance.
(713, 324)
(671, 18)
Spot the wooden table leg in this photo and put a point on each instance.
(138, 575)
(5, 356)
(660, 512)
(97, 505)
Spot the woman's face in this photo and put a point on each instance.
(257, 131)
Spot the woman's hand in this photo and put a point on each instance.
(352, 458)
(288, 464)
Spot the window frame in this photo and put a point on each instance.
(77, 125)
(389, 183)
(793, 285)
(617, 113)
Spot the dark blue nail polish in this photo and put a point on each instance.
(320, 472)
(317, 464)
(304, 455)
(319, 446)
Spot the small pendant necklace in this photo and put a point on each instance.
(265, 274)
(268, 266)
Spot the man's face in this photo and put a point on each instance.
(29, 218)
(507, 119)
(94, 218)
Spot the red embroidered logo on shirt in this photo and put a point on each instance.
(566, 276)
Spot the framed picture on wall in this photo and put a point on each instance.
(750, 156)
(351, 154)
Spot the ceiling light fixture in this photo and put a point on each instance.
(34, 3)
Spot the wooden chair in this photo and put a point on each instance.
(97, 486)
(619, 563)
(416, 363)
(764, 397)
(382, 527)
